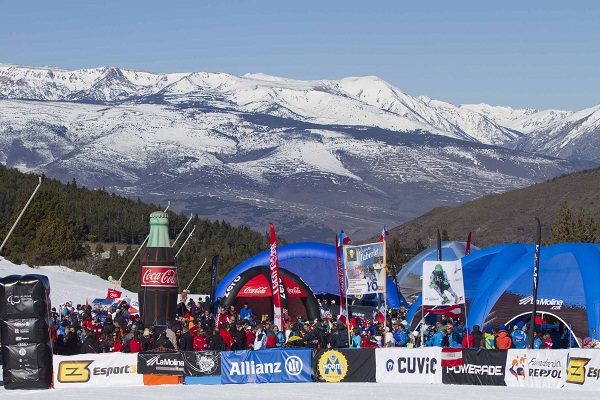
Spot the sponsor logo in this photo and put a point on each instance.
(79, 371)
(554, 304)
(252, 368)
(258, 290)
(294, 290)
(472, 369)
(576, 370)
(164, 363)
(231, 286)
(21, 324)
(14, 300)
(159, 276)
(544, 368)
(22, 352)
(205, 364)
(517, 368)
(413, 365)
(333, 366)
(293, 365)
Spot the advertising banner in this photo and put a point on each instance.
(24, 331)
(202, 363)
(161, 363)
(344, 365)
(536, 368)
(402, 365)
(96, 370)
(365, 271)
(479, 367)
(583, 370)
(266, 366)
(443, 283)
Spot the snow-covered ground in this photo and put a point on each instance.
(67, 285)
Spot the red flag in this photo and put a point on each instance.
(113, 294)
(275, 288)
(451, 357)
(384, 234)
(343, 239)
(468, 246)
(380, 314)
(452, 311)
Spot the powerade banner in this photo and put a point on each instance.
(161, 363)
(479, 367)
(266, 366)
(536, 368)
(443, 283)
(96, 370)
(402, 365)
(202, 363)
(583, 369)
(365, 271)
(344, 365)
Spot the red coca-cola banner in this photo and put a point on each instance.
(159, 276)
(259, 287)
(274, 266)
(112, 294)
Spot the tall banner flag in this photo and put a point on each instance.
(364, 268)
(468, 245)
(443, 283)
(384, 234)
(536, 269)
(275, 289)
(213, 277)
(439, 246)
(339, 246)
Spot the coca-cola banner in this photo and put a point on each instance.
(160, 363)
(259, 286)
(536, 368)
(159, 276)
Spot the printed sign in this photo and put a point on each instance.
(536, 368)
(478, 367)
(161, 363)
(344, 365)
(422, 365)
(583, 369)
(443, 283)
(266, 366)
(89, 370)
(159, 276)
(202, 363)
(365, 271)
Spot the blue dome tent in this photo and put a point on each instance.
(314, 263)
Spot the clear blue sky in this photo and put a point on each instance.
(527, 53)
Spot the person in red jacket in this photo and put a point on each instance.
(200, 343)
(135, 345)
(227, 338)
(503, 340)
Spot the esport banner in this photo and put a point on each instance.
(161, 363)
(443, 283)
(266, 366)
(583, 369)
(479, 367)
(344, 365)
(403, 365)
(96, 370)
(536, 368)
(202, 363)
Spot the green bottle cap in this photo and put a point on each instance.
(159, 230)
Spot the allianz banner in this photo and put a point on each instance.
(266, 366)
(536, 368)
(479, 367)
(583, 370)
(402, 365)
(96, 370)
(161, 363)
(344, 365)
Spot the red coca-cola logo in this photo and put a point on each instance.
(294, 290)
(159, 276)
(255, 290)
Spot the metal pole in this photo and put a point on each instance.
(186, 240)
(188, 286)
(185, 226)
(20, 215)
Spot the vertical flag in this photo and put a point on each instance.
(536, 268)
(275, 289)
(384, 234)
(439, 246)
(213, 277)
(468, 246)
(340, 242)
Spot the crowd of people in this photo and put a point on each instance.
(93, 329)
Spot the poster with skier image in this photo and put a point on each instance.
(443, 283)
(365, 270)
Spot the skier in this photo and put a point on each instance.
(439, 282)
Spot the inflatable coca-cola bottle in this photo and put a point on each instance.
(158, 280)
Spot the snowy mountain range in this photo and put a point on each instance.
(311, 156)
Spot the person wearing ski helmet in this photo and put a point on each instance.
(440, 283)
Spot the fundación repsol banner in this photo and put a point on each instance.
(96, 370)
(344, 365)
(161, 363)
(536, 368)
(479, 367)
(403, 365)
(583, 370)
(266, 366)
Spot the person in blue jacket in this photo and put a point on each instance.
(518, 336)
(356, 339)
(438, 337)
(537, 341)
(246, 312)
(455, 336)
(400, 335)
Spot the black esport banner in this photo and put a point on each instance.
(344, 365)
(202, 363)
(479, 367)
(161, 364)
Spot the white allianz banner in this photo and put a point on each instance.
(536, 368)
(96, 370)
(443, 283)
(365, 271)
(404, 365)
(583, 370)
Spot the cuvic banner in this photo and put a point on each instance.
(96, 370)
(536, 368)
(479, 367)
(266, 366)
(365, 269)
(583, 370)
(402, 365)
(443, 283)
